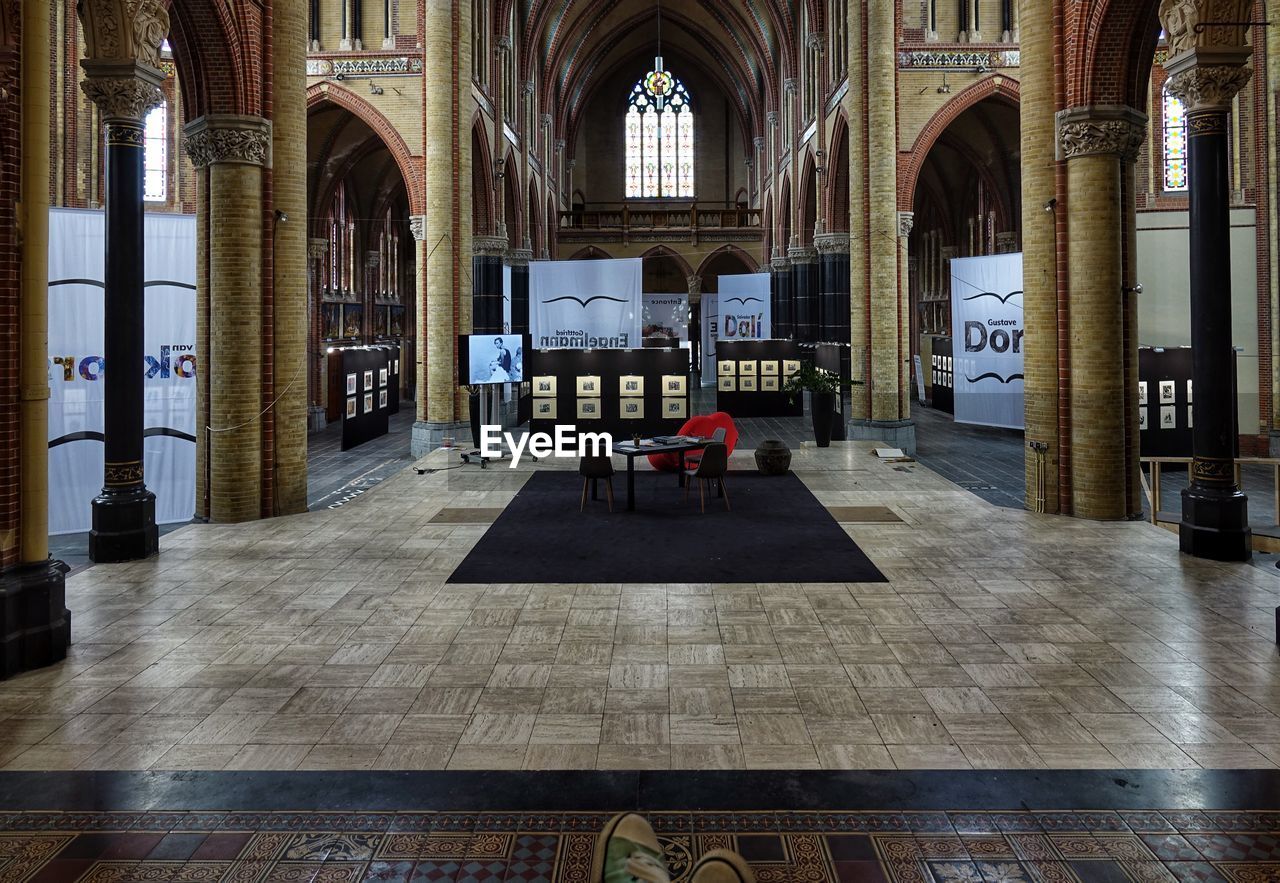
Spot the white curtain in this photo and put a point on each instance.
(76, 322)
(585, 304)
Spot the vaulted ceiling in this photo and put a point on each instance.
(746, 45)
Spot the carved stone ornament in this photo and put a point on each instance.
(906, 222)
(1092, 131)
(1204, 24)
(759, 144)
(489, 246)
(779, 263)
(772, 117)
(831, 243)
(801, 254)
(518, 257)
(1209, 87)
(418, 226)
(695, 285)
(122, 97)
(124, 30)
(317, 248)
(228, 138)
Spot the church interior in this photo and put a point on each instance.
(949, 553)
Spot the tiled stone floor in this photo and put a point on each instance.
(330, 640)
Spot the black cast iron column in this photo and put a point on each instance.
(486, 284)
(782, 296)
(124, 514)
(518, 259)
(1215, 515)
(804, 281)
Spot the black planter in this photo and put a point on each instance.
(823, 407)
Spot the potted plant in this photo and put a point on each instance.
(823, 386)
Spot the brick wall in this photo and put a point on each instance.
(10, 266)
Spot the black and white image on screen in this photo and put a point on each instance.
(496, 358)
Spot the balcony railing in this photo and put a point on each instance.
(627, 221)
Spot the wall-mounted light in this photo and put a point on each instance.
(1051, 205)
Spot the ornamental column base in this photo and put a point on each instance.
(894, 433)
(35, 624)
(124, 526)
(427, 437)
(316, 420)
(1215, 524)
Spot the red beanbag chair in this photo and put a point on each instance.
(703, 426)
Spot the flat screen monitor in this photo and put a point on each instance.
(491, 358)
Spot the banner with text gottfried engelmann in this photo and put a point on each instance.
(77, 366)
(585, 304)
(987, 327)
(745, 308)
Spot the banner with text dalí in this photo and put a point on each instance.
(77, 366)
(987, 325)
(744, 304)
(585, 304)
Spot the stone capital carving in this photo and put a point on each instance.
(779, 263)
(317, 248)
(503, 45)
(228, 138)
(546, 120)
(791, 85)
(418, 227)
(695, 285)
(1199, 24)
(801, 254)
(831, 243)
(559, 146)
(1205, 88)
(758, 141)
(816, 40)
(1101, 129)
(123, 91)
(124, 30)
(906, 222)
(772, 117)
(488, 246)
(372, 259)
(518, 257)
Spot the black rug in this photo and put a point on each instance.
(777, 532)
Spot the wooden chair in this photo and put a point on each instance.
(592, 469)
(712, 467)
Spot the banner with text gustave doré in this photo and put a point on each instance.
(987, 326)
(585, 304)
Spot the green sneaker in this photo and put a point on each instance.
(628, 852)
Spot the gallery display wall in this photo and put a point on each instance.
(750, 375)
(1165, 395)
(621, 392)
(368, 383)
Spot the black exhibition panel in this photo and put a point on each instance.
(393, 378)
(364, 413)
(942, 376)
(654, 408)
(1164, 401)
(742, 393)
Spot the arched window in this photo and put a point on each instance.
(155, 162)
(659, 137)
(1175, 143)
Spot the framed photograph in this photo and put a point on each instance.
(381, 321)
(351, 384)
(331, 321)
(588, 385)
(728, 384)
(1142, 392)
(588, 409)
(674, 409)
(396, 369)
(1168, 394)
(630, 385)
(544, 409)
(1188, 392)
(1142, 419)
(673, 385)
(728, 369)
(352, 320)
(632, 409)
(368, 380)
(368, 403)
(382, 398)
(351, 408)
(790, 366)
(769, 368)
(544, 386)
(382, 377)
(934, 357)
(1168, 416)
(747, 366)
(747, 384)
(769, 384)
(1190, 424)
(396, 322)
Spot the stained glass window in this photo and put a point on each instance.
(155, 163)
(659, 138)
(1175, 143)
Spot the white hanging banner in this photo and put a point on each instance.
(744, 307)
(710, 333)
(666, 319)
(987, 324)
(76, 366)
(585, 304)
(506, 298)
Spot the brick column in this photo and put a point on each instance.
(1041, 382)
(859, 304)
(35, 625)
(230, 153)
(1207, 71)
(288, 177)
(124, 514)
(1096, 142)
(444, 254)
